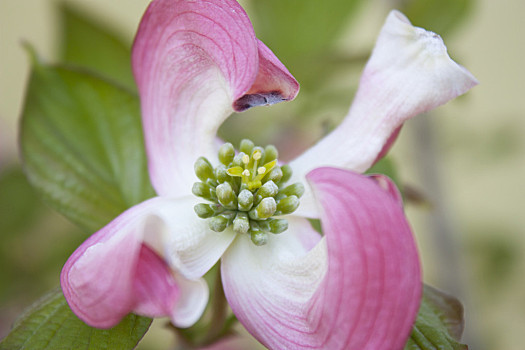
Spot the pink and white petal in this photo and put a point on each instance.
(388, 185)
(187, 242)
(191, 61)
(301, 228)
(98, 278)
(102, 281)
(165, 292)
(273, 84)
(408, 73)
(359, 288)
(269, 287)
(184, 240)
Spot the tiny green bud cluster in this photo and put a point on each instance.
(246, 191)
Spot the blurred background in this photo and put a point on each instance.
(461, 167)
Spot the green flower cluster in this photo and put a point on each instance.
(246, 191)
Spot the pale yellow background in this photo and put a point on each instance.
(480, 191)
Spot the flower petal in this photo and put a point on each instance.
(112, 273)
(273, 84)
(359, 288)
(160, 292)
(269, 287)
(154, 285)
(388, 185)
(187, 243)
(98, 278)
(191, 304)
(191, 61)
(408, 73)
(388, 144)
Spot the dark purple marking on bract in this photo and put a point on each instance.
(254, 100)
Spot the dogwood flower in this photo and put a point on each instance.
(358, 285)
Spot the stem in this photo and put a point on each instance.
(219, 311)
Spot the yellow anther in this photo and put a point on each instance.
(261, 170)
(257, 155)
(246, 159)
(246, 172)
(235, 171)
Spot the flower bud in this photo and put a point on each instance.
(226, 196)
(296, 189)
(220, 222)
(241, 223)
(275, 175)
(203, 169)
(287, 205)
(278, 225)
(204, 191)
(258, 236)
(246, 146)
(237, 160)
(287, 173)
(205, 211)
(264, 210)
(226, 154)
(270, 153)
(245, 200)
(269, 189)
(221, 174)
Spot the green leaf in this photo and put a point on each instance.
(86, 42)
(82, 145)
(50, 324)
(18, 208)
(440, 16)
(26, 224)
(439, 323)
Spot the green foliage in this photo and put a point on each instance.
(18, 207)
(440, 16)
(82, 145)
(87, 43)
(29, 230)
(439, 323)
(50, 324)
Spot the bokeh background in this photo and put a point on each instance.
(461, 167)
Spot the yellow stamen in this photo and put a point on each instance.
(245, 159)
(246, 172)
(257, 155)
(266, 169)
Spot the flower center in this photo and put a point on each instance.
(246, 191)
